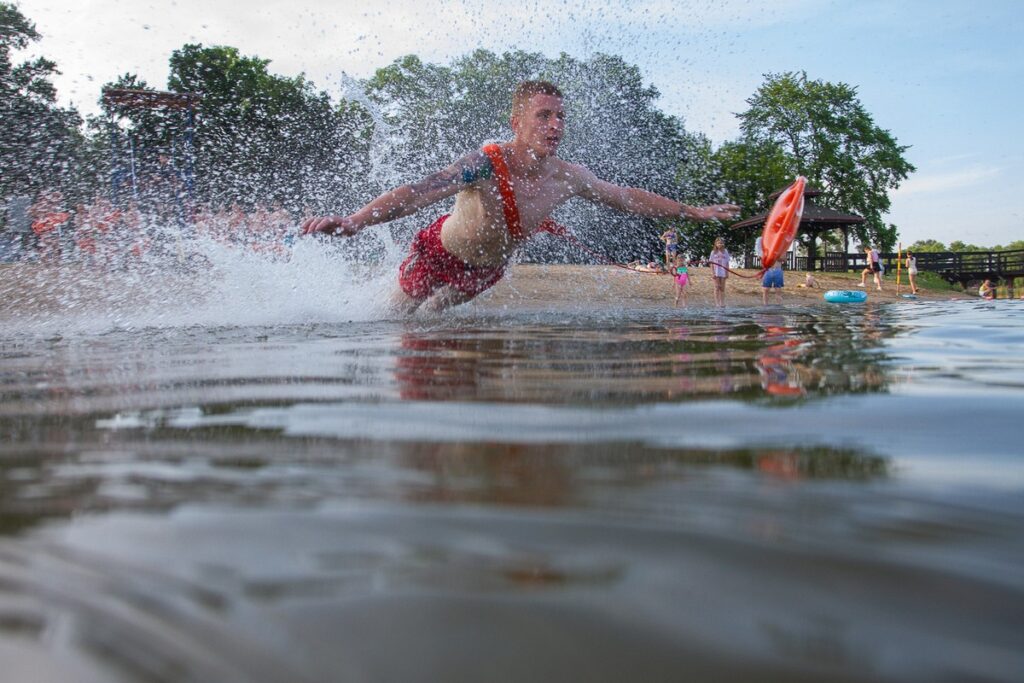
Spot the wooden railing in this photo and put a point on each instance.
(952, 266)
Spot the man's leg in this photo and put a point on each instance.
(401, 303)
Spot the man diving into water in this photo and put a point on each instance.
(505, 194)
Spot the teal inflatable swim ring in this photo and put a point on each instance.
(845, 296)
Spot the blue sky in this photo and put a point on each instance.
(944, 76)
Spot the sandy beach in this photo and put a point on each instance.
(552, 284)
(527, 286)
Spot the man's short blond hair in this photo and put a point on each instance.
(527, 89)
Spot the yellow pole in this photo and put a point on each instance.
(899, 265)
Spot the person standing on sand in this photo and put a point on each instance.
(873, 267)
(911, 265)
(671, 239)
(50, 221)
(682, 278)
(719, 261)
(771, 279)
(505, 194)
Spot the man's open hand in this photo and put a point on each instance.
(329, 225)
(720, 212)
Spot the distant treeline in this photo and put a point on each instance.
(934, 246)
(261, 138)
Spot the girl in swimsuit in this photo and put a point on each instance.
(912, 272)
(682, 279)
(719, 260)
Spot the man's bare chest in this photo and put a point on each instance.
(535, 198)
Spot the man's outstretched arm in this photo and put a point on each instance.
(406, 200)
(644, 203)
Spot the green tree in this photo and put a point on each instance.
(40, 142)
(263, 137)
(749, 171)
(259, 137)
(830, 138)
(927, 246)
(961, 246)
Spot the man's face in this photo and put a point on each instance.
(540, 124)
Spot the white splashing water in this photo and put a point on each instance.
(199, 281)
(206, 283)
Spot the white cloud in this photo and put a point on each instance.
(971, 176)
(976, 204)
(94, 41)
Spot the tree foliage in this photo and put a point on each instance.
(40, 143)
(828, 136)
(959, 246)
(263, 137)
(258, 137)
(749, 171)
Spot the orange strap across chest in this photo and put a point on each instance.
(508, 198)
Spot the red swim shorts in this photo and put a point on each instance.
(429, 267)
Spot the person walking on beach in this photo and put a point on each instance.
(719, 260)
(505, 194)
(911, 265)
(682, 278)
(874, 267)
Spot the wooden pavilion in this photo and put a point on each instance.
(815, 220)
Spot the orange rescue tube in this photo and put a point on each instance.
(782, 223)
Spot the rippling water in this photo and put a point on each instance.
(803, 494)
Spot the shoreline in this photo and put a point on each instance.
(558, 283)
(27, 287)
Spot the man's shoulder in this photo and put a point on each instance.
(576, 175)
(569, 166)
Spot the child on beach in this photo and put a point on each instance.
(719, 260)
(987, 291)
(682, 279)
(505, 194)
(671, 239)
(874, 267)
(771, 279)
(911, 265)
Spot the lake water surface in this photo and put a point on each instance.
(823, 493)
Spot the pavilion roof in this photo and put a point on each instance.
(150, 99)
(815, 217)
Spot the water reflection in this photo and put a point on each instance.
(771, 357)
(160, 469)
(748, 357)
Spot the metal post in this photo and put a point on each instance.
(190, 167)
(131, 158)
(113, 161)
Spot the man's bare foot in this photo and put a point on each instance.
(400, 303)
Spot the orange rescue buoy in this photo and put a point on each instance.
(782, 223)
